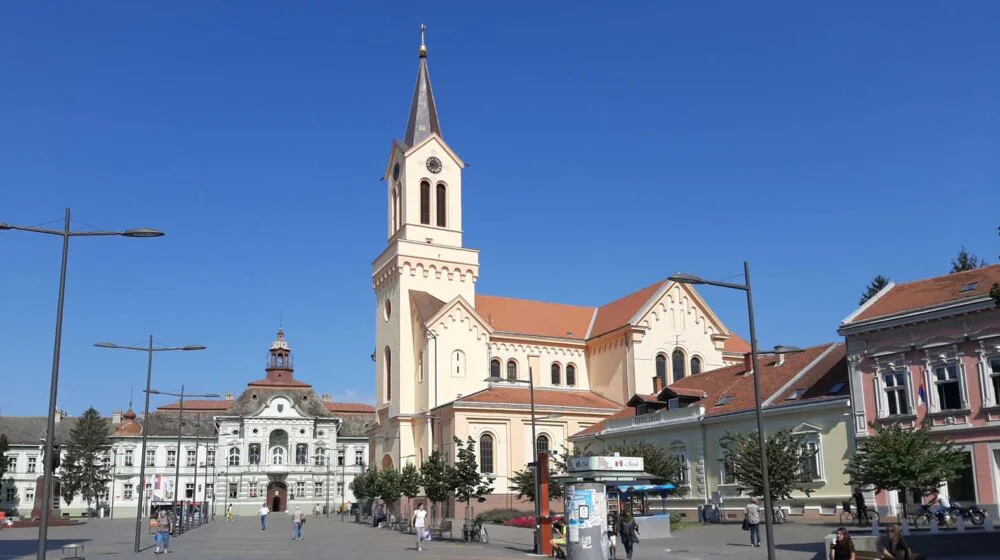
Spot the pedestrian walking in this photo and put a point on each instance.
(263, 516)
(612, 533)
(419, 515)
(628, 532)
(163, 526)
(298, 519)
(751, 521)
(229, 513)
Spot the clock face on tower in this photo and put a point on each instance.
(433, 165)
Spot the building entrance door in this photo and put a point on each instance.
(277, 495)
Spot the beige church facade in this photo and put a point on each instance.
(438, 341)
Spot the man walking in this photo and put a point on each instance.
(263, 516)
(298, 518)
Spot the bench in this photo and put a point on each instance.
(444, 526)
(75, 548)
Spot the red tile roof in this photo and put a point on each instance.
(288, 382)
(539, 318)
(733, 381)
(349, 407)
(543, 397)
(931, 292)
(619, 312)
(199, 405)
(735, 344)
(627, 412)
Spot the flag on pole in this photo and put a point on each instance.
(922, 393)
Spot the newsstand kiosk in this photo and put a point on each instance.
(585, 498)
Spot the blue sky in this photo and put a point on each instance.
(610, 144)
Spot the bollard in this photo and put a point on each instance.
(906, 526)
(961, 523)
(934, 524)
(874, 527)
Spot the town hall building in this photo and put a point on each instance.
(453, 363)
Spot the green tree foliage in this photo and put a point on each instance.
(656, 460)
(468, 483)
(787, 458)
(874, 287)
(388, 486)
(966, 261)
(84, 470)
(523, 481)
(896, 458)
(361, 485)
(409, 483)
(4, 445)
(436, 477)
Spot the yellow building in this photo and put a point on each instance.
(437, 340)
(805, 392)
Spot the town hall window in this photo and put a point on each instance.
(542, 444)
(570, 375)
(556, 374)
(678, 364)
(895, 394)
(234, 456)
(302, 454)
(949, 393)
(495, 368)
(511, 371)
(995, 377)
(661, 367)
(442, 205)
(425, 203)
(486, 454)
(254, 454)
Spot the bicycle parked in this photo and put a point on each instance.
(779, 515)
(478, 532)
(849, 517)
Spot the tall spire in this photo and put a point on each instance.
(423, 119)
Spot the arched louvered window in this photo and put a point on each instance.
(425, 203)
(495, 368)
(570, 375)
(486, 454)
(556, 374)
(695, 365)
(678, 359)
(511, 370)
(442, 205)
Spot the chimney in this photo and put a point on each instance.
(780, 359)
(326, 397)
(59, 416)
(116, 417)
(230, 396)
(748, 363)
(657, 384)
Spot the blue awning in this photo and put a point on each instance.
(632, 487)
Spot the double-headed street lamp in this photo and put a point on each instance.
(686, 278)
(150, 349)
(530, 382)
(50, 427)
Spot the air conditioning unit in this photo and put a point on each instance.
(673, 404)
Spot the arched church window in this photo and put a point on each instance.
(695, 365)
(570, 375)
(486, 454)
(395, 210)
(661, 367)
(495, 367)
(234, 456)
(425, 202)
(387, 381)
(442, 205)
(511, 370)
(678, 359)
(556, 374)
(541, 444)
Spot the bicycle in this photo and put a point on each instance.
(478, 532)
(780, 515)
(848, 517)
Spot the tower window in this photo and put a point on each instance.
(679, 369)
(388, 374)
(442, 205)
(425, 202)
(395, 210)
(556, 374)
(570, 375)
(512, 370)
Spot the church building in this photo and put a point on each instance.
(453, 363)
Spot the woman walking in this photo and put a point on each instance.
(419, 523)
(842, 548)
(162, 533)
(628, 530)
(751, 516)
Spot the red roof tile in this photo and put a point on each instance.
(539, 318)
(619, 312)
(736, 344)
(199, 405)
(931, 292)
(349, 407)
(272, 382)
(543, 397)
(627, 412)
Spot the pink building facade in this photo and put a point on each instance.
(929, 352)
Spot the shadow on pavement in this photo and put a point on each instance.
(20, 547)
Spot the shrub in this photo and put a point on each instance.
(501, 515)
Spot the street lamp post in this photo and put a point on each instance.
(149, 350)
(685, 278)
(534, 439)
(50, 427)
(325, 458)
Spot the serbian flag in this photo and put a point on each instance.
(922, 393)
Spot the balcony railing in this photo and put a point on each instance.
(658, 418)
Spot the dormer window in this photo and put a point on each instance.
(837, 388)
(796, 395)
(726, 399)
(968, 287)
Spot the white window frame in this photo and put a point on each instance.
(990, 377)
(129, 458)
(359, 457)
(947, 367)
(300, 489)
(127, 493)
(884, 389)
(722, 470)
(150, 457)
(678, 450)
(171, 457)
(277, 455)
(318, 488)
(12, 463)
(191, 458)
(32, 465)
(29, 494)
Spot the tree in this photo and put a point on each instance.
(468, 482)
(409, 483)
(362, 486)
(655, 459)
(523, 481)
(4, 445)
(874, 287)
(85, 471)
(435, 474)
(966, 261)
(787, 460)
(388, 486)
(895, 458)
